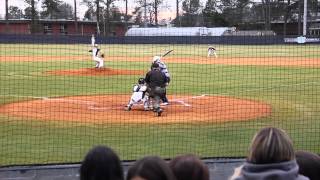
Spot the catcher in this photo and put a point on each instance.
(97, 56)
(139, 94)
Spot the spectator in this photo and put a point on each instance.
(189, 167)
(101, 163)
(271, 157)
(309, 164)
(150, 168)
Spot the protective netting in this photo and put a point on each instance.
(55, 105)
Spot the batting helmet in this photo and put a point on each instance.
(156, 58)
(141, 81)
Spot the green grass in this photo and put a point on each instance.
(293, 93)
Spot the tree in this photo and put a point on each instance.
(126, 16)
(215, 19)
(191, 6)
(7, 16)
(150, 8)
(266, 12)
(15, 12)
(90, 13)
(210, 13)
(32, 13)
(141, 7)
(50, 8)
(97, 2)
(210, 7)
(106, 17)
(75, 16)
(65, 11)
(155, 6)
(234, 10)
(137, 12)
(191, 9)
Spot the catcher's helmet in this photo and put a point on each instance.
(141, 81)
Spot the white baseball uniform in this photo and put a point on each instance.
(139, 95)
(93, 41)
(96, 55)
(163, 68)
(212, 51)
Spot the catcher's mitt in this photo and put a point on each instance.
(102, 55)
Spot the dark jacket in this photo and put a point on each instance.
(309, 164)
(155, 78)
(278, 171)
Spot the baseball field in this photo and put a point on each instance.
(54, 105)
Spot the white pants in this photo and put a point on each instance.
(99, 62)
(212, 52)
(137, 98)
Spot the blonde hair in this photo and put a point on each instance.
(271, 145)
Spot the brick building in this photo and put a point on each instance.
(58, 27)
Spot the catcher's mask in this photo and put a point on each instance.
(141, 81)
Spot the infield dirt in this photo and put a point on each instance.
(110, 108)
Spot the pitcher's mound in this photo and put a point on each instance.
(96, 72)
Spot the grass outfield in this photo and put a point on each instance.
(293, 93)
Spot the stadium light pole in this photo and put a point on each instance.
(304, 17)
(177, 12)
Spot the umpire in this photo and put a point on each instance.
(156, 82)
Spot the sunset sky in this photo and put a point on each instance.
(166, 11)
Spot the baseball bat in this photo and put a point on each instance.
(168, 52)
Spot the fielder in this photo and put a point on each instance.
(139, 95)
(93, 40)
(164, 70)
(212, 51)
(97, 56)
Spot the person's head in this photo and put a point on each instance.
(309, 164)
(270, 145)
(101, 163)
(189, 167)
(150, 168)
(156, 59)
